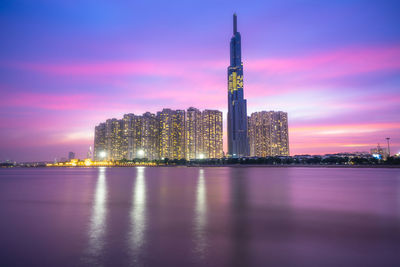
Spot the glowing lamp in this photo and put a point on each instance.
(140, 153)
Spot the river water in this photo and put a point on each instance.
(188, 216)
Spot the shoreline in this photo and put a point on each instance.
(223, 165)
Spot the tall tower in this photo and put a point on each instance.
(238, 144)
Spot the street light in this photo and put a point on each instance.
(201, 156)
(140, 153)
(103, 154)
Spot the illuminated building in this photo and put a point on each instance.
(132, 142)
(114, 140)
(238, 144)
(193, 133)
(171, 133)
(165, 119)
(268, 134)
(212, 134)
(178, 135)
(379, 152)
(129, 132)
(149, 132)
(99, 141)
(140, 136)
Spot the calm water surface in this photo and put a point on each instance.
(200, 217)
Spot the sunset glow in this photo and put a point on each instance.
(62, 70)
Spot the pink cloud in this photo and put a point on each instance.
(325, 64)
(333, 63)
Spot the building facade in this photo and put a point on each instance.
(193, 134)
(165, 120)
(140, 136)
(178, 134)
(149, 140)
(238, 144)
(99, 141)
(268, 133)
(212, 134)
(114, 140)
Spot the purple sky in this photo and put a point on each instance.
(66, 66)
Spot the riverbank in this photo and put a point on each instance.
(215, 166)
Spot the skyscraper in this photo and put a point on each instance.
(193, 134)
(171, 133)
(238, 144)
(114, 140)
(129, 144)
(178, 134)
(268, 134)
(212, 134)
(164, 118)
(149, 140)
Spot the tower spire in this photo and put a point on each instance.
(238, 143)
(234, 23)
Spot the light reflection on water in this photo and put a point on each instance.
(200, 218)
(138, 217)
(97, 228)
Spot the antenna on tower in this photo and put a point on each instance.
(234, 23)
(388, 138)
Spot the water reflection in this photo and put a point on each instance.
(239, 222)
(138, 217)
(200, 219)
(97, 228)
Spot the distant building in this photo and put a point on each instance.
(212, 134)
(89, 154)
(349, 155)
(379, 152)
(268, 134)
(71, 155)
